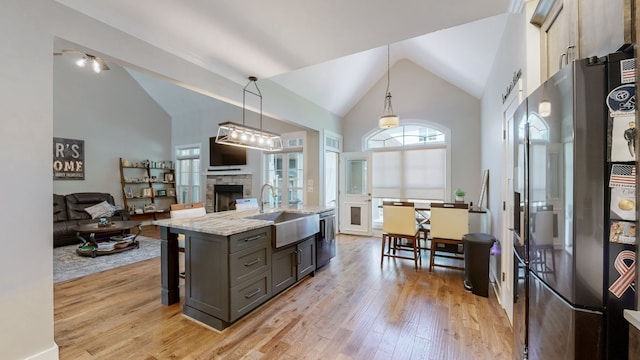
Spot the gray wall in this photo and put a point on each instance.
(420, 95)
(196, 127)
(114, 116)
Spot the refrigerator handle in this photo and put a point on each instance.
(561, 64)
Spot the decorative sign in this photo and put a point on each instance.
(68, 159)
(512, 84)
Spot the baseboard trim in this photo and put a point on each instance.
(48, 354)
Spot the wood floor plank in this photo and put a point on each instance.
(350, 309)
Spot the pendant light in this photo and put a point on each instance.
(388, 120)
(544, 107)
(230, 133)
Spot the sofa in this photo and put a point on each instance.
(69, 211)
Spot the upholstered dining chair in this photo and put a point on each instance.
(449, 223)
(187, 210)
(400, 233)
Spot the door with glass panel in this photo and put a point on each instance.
(355, 185)
(285, 171)
(188, 173)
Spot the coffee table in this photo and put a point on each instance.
(90, 246)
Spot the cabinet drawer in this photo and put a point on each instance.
(249, 239)
(246, 263)
(248, 295)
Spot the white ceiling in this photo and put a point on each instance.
(330, 52)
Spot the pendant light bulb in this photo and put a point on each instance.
(82, 61)
(544, 108)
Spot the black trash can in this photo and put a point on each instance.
(477, 248)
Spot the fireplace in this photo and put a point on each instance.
(224, 197)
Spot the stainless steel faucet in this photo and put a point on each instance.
(260, 201)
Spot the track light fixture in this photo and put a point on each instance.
(230, 133)
(96, 63)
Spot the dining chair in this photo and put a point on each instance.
(449, 223)
(187, 210)
(400, 235)
(183, 211)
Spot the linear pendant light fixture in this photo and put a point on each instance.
(230, 133)
(388, 120)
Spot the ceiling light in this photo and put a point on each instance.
(228, 131)
(97, 64)
(388, 120)
(82, 61)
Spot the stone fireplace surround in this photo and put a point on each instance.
(212, 180)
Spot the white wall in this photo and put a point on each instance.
(114, 116)
(26, 277)
(419, 94)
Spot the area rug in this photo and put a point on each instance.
(68, 265)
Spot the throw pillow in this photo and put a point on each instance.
(103, 209)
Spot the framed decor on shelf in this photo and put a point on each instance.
(150, 208)
(147, 192)
(128, 192)
(161, 192)
(171, 192)
(168, 177)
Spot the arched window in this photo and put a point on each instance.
(409, 162)
(538, 129)
(405, 135)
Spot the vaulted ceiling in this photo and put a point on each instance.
(331, 52)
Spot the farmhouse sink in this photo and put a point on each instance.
(289, 227)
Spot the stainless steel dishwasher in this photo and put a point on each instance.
(326, 238)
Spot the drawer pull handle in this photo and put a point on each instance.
(253, 238)
(250, 263)
(254, 293)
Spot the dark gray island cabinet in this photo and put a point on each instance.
(226, 276)
(292, 263)
(228, 273)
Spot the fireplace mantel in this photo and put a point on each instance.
(228, 172)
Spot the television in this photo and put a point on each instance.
(226, 155)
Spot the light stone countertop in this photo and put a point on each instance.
(226, 223)
(633, 317)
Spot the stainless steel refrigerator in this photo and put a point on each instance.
(563, 309)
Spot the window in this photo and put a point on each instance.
(409, 163)
(188, 173)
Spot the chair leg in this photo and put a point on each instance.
(382, 253)
(431, 253)
(415, 251)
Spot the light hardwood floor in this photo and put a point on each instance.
(351, 309)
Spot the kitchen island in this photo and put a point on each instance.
(232, 264)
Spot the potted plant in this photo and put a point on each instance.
(459, 195)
